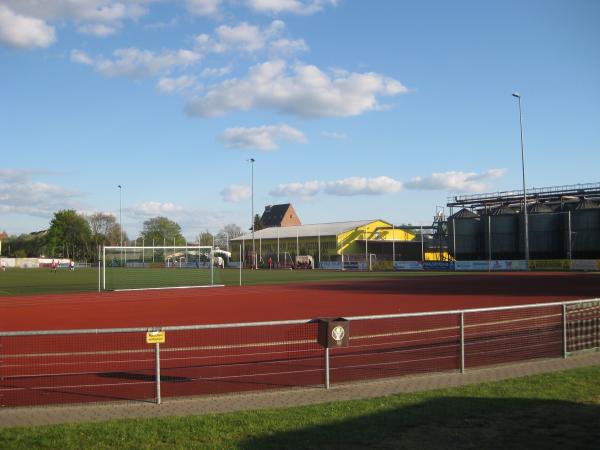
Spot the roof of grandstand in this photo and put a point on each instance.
(309, 230)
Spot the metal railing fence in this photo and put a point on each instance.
(91, 365)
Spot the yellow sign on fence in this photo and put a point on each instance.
(549, 264)
(155, 337)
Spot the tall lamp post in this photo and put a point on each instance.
(518, 97)
(120, 217)
(254, 262)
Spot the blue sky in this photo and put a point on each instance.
(352, 109)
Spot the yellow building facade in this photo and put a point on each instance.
(328, 242)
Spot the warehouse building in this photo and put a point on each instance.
(563, 223)
(364, 242)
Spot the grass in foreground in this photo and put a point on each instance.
(559, 410)
(43, 281)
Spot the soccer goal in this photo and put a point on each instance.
(165, 267)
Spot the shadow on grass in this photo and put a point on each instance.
(452, 423)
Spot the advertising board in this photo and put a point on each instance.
(472, 265)
(550, 264)
(438, 265)
(408, 265)
(330, 265)
(585, 264)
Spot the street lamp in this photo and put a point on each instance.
(518, 96)
(254, 262)
(120, 217)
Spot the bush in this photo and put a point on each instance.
(383, 266)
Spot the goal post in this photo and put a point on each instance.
(157, 267)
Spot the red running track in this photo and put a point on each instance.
(289, 302)
(60, 369)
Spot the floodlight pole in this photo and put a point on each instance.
(367, 263)
(518, 96)
(120, 215)
(254, 262)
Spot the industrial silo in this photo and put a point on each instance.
(465, 235)
(545, 232)
(585, 230)
(501, 233)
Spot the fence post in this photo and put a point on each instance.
(99, 270)
(103, 267)
(462, 342)
(326, 367)
(564, 324)
(157, 353)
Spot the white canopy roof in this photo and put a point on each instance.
(310, 230)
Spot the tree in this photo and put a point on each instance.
(232, 230)
(258, 223)
(105, 229)
(69, 235)
(205, 238)
(162, 230)
(226, 234)
(26, 245)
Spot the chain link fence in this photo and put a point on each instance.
(138, 364)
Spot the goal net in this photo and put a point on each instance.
(139, 268)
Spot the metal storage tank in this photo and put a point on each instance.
(503, 227)
(464, 229)
(585, 230)
(545, 232)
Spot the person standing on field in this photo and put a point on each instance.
(53, 265)
(270, 262)
(72, 265)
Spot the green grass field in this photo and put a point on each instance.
(551, 411)
(43, 281)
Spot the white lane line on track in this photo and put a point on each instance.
(294, 342)
(166, 350)
(151, 361)
(212, 378)
(134, 297)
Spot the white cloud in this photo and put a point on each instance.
(81, 58)
(302, 191)
(105, 11)
(288, 46)
(456, 181)
(203, 7)
(346, 187)
(26, 23)
(304, 91)
(265, 137)
(152, 209)
(382, 185)
(170, 85)
(99, 29)
(236, 193)
(20, 194)
(334, 135)
(215, 72)
(363, 186)
(20, 31)
(191, 220)
(301, 7)
(242, 37)
(136, 63)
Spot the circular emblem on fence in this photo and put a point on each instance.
(338, 333)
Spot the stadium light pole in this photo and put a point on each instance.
(251, 161)
(120, 217)
(525, 218)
